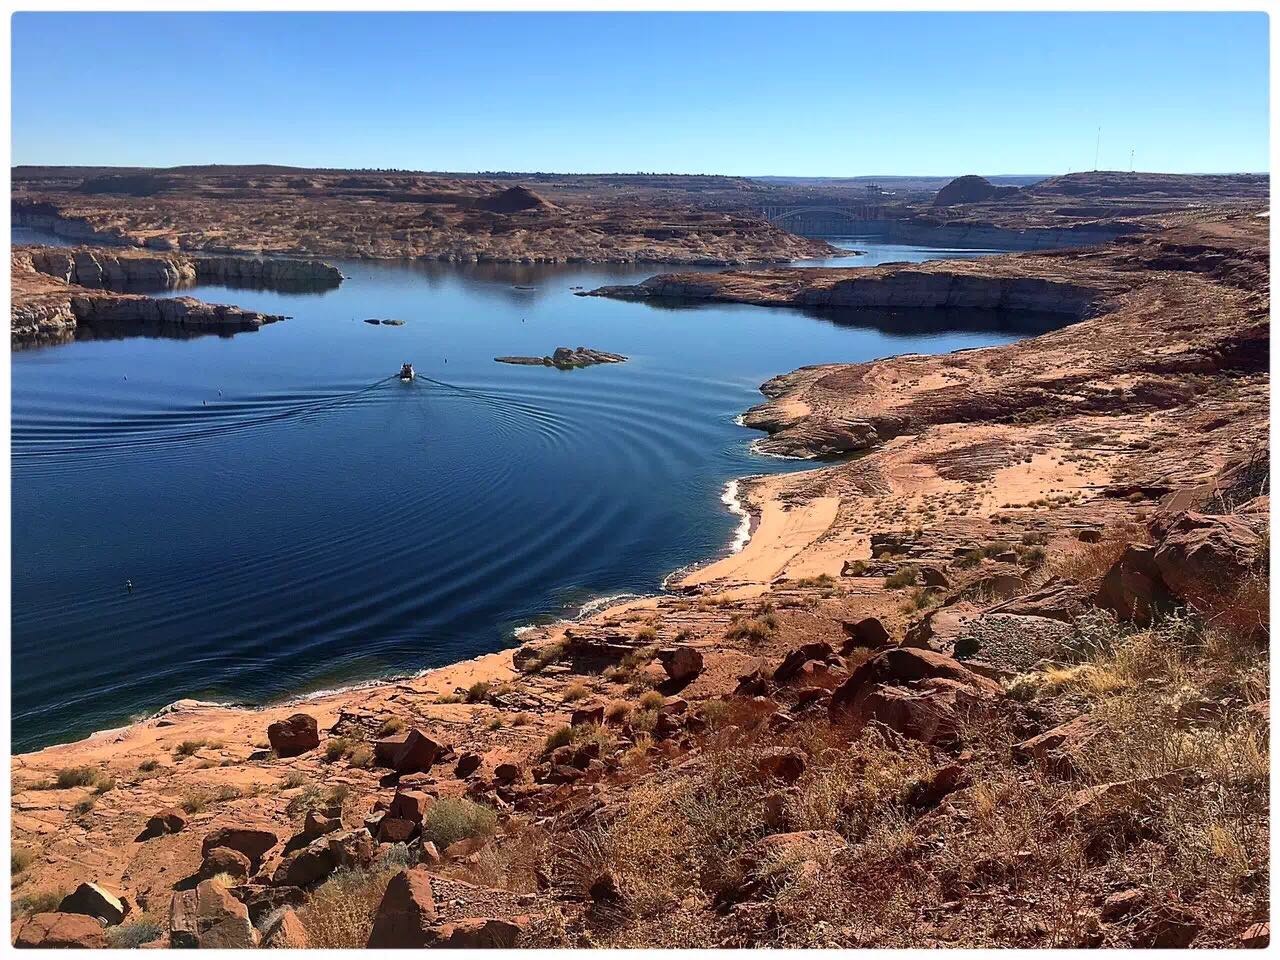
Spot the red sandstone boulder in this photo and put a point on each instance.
(293, 736)
(91, 900)
(869, 633)
(1057, 749)
(225, 860)
(168, 820)
(1201, 557)
(209, 917)
(819, 650)
(306, 867)
(781, 764)
(1133, 588)
(478, 933)
(317, 825)
(905, 667)
(66, 931)
(286, 932)
(681, 663)
(409, 805)
(407, 913)
(252, 840)
(417, 753)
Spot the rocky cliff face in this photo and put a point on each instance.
(98, 269)
(48, 308)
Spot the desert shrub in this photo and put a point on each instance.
(855, 568)
(147, 766)
(390, 726)
(339, 913)
(521, 719)
(19, 859)
(41, 901)
(616, 711)
(134, 933)
(647, 635)
(577, 691)
(544, 658)
(905, 576)
(336, 748)
(822, 581)
(189, 748)
(752, 629)
(360, 755)
(294, 778)
(478, 692)
(557, 738)
(449, 820)
(76, 777)
(652, 700)
(84, 806)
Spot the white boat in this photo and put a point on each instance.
(406, 372)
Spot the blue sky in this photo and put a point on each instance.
(797, 94)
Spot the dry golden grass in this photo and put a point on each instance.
(339, 913)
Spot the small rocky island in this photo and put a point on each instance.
(566, 358)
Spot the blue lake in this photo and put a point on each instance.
(291, 520)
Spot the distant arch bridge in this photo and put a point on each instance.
(822, 218)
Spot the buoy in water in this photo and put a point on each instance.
(406, 372)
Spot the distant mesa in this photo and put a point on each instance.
(513, 200)
(970, 189)
(565, 358)
(131, 185)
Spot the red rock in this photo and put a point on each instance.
(409, 805)
(352, 848)
(819, 650)
(406, 913)
(396, 830)
(868, 632)
(45, 931)
(1256, 936)
(506, 773)
(888, 678)
(384, 750)
(782, 764)
(468, 764)
(168, 820)
(209, 917)
(225, 860)
(753, 684)
(1133, 589)
(317, 825)
(587, 716)
(681, 663)
(298, 734)
(1056, 749)
(92, 900)
(417, 754)
(1119, 905)
(252, 840)
(1200, 554)
(461, 849)
(478, 933)
(286, 932)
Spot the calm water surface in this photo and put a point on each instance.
(291, 520)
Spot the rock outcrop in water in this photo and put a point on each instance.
(567, 358)
(136, 270)
(46, 309)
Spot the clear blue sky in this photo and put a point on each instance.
(798, 94)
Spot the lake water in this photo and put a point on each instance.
(291, 520)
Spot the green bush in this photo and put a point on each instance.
(449, 820)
